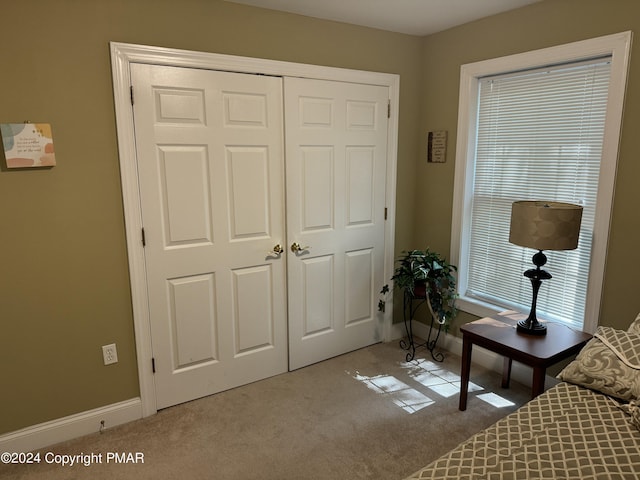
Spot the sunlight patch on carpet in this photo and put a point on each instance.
(445, 390)
(437, 379)
(401, 394)
(495, 400)
(429, 377)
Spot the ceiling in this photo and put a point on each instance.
(413, 17)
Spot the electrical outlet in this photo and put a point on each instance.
(110, 354)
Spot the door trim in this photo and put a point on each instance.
(122, 55)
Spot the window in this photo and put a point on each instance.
(537, 126)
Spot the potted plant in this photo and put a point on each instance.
(426, 274)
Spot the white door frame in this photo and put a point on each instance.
(122, 55)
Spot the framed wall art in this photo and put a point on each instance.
(28, 145)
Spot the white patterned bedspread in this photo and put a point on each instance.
(568, 432)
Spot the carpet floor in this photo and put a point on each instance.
(364, 415)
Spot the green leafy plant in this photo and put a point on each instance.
(426, 274)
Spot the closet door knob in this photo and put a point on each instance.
(296, 248)
(277, 250)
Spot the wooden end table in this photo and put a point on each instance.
(498, 334)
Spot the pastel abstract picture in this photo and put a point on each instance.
(28, 145)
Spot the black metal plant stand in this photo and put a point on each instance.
(410, 307)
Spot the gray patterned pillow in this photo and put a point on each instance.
(609, 363)
(635, 325)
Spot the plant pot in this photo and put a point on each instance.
(420, 290)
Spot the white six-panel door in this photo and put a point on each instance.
(210, 158)
(212, 187)
(336, 152)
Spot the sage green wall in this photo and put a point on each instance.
(545, 24)
(64, 284)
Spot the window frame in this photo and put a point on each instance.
(616, 45)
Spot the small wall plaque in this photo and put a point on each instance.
(437, 147)
(28, 145)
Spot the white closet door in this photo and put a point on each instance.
(211, 169)
(336, 144)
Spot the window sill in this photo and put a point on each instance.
(478, 307)
(484, 309)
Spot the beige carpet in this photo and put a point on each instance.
(364, 415)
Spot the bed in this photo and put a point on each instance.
(585, 427)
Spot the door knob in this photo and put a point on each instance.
(277, 250)
(296, 248)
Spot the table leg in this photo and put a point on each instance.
(465, 371)
(506, 372)
(537, 386)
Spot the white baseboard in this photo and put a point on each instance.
(396, 332)
(62, 429)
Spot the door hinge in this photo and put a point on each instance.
(144, 238)
(153, 365)
(131, 93)
(388, 106)
(385, 213)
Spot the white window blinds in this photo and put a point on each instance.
(539, 137)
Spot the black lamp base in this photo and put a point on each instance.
(531, 328)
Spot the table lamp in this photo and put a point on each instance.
(542, 226)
